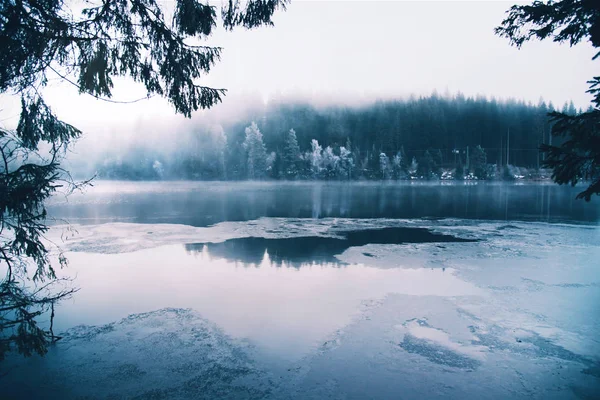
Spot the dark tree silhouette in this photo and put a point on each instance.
(427, 165)
(571, 21)
(478, 162)
(46, 39)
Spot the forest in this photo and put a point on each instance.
(433, 137)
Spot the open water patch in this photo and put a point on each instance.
(319, 249)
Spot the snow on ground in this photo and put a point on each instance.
(524, 325)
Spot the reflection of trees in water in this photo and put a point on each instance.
(267, 260)
(294, 252)
(307, 250)
(208, 204)
(316, 201)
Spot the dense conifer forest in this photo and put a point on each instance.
(434, 137)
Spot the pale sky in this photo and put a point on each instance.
(361, 50)
(397, 48)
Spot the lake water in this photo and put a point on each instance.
(323, 290)
(206, 203)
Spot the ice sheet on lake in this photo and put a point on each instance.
(127, 237)
(523, 265)
(453, 357)
(529, 330)
(421, 331)
(166, 354)
(284, 310)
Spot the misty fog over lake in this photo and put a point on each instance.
(206, 203)
(297, 199)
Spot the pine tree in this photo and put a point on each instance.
(571, 110)
(330, 163)
(398, 165)
(290, 159)
(459, 173)
(315, 157)
(426, 165)
(384, 165)
(256, 152)
(578, 156)
(478, 162)
(414, 167)
(437, 162)
(346, 163)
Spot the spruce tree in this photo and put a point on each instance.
(290, 159)
(577, 158)
(426, 165)
(478, 162)
(256, 153)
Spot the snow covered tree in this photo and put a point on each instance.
(290, 159)
(384, 166)
(256, 152)
(271, 164)
(158, 168)
(396, 165)
(346, 163)
(315, 158)
(400, 165)
(414, 167)
(330, 163)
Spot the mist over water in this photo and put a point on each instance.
(207, 203)
(367, 213)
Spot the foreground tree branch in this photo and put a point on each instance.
(577, 158)
(88, 48)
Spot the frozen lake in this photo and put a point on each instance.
(311, 290)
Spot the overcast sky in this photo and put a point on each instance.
(397, 48)
(352, 50)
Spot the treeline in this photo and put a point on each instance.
(429, 137)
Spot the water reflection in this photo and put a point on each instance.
(313, 249)
(285, 311)
(206, 203)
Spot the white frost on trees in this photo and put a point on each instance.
(346, 163)
(256, 152)
(384, 166)
(412, 169)
(315, 157)
(291, 157)
(158, 168)
(330, 163)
